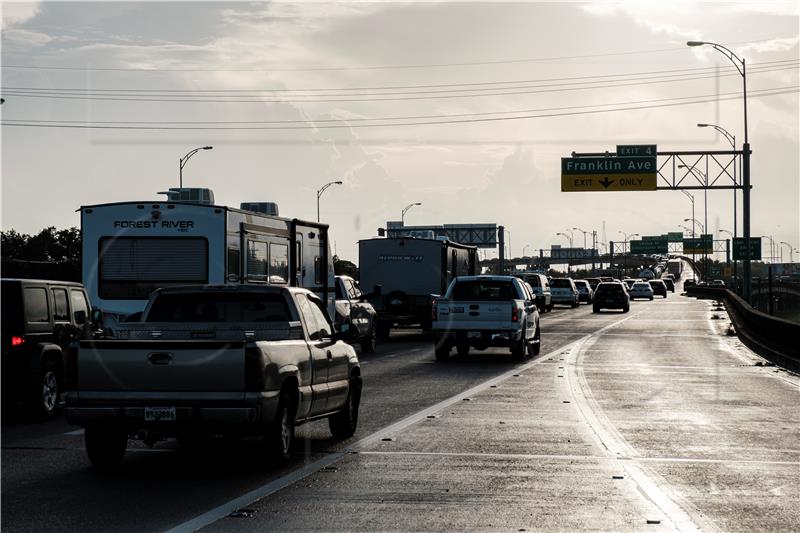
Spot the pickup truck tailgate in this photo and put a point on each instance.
(161, 366)
(474, 315)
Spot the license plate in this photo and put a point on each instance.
(159, 414)
(473, 334)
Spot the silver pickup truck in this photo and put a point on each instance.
(486, 311)
(231, 360)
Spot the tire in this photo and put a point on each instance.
(549, 308)
(279, 438)
(105, 446)
(462, 350)
(626, 309)
(595, 309)
(344, 423)
(442, 353)
(574, 305)
(46, 392)
(382, 329)
(518, 350)
(536, 346)
(369, 342)
(651, 298)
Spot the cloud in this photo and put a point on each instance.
(26, 38)
(15, 13)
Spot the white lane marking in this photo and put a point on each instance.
(609, 438)
(249, 498)
(75, 433)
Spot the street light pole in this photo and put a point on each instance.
(322, 190)
(790, 251)
(569, 240)
(741, 66)
(182, 161)
(406, 208)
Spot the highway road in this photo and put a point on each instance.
(652, 420)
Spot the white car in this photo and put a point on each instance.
(563, 291)
(641, 289)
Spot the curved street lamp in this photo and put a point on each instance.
(322, 190)
(741, 66)
(406, 208)
(182, 161)
(568, 237)
(790, 251)
(702, 228)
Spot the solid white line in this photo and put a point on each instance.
(76, 432)
(248, 498)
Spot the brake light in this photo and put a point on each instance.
(434, 315)
(17, 341)
(515, 314)
(254, 372)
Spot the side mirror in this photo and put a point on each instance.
(97, 316)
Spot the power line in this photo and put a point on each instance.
(371, 67)
(338, 98)
(686, 71)
(411, 117)
(390, 124)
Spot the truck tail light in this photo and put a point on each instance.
(515, 313)
(17, 340)
(434, 303)
(254, 371)
(71, 368)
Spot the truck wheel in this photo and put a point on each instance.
(626, 309)
(382, 328)
(280, 434)
(46, 392)
(442, 353)
(549, 308)
(595, 309)
(105, 446)
(518, 350)
(575, 304)
(462, 350)
(343, 424)
(536, 346)
(370, 341)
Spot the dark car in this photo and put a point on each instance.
(658, 287)
(593, 282)
(40, 319)
(669, 283)
(611, 295)
(688, 283)
(352, 303)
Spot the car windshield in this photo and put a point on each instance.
(219, 307)
(560, 283)
(483, 290)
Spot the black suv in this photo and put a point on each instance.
(659, 287)
(611, 295)
(40, 319)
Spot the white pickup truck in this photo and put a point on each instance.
(231, 360)
(486, 311)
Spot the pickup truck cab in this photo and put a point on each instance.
(486, 311)
(225, 359)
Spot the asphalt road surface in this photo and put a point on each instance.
(652, 420)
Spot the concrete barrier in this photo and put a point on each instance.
(773, 338)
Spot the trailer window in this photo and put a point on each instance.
(256, 261)
(130, 268)
(278, 263)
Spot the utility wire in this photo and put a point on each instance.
(412, 117)
(338, 98)
(685, 71)
(371, 67)
(392, 124)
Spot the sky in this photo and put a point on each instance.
(292, 95)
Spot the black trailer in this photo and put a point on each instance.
(411, 272)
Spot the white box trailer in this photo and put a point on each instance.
(132, 248)
(410, 272)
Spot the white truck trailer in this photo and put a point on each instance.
(131, 249)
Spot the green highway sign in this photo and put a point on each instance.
(636, 150)
(702, 245)
(676, 236)
(654, 237)
(739, 249)
(650, 246)
(585, 174)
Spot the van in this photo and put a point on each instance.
(40, 319)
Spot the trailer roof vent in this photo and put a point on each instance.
(191, 195)
(267, 208)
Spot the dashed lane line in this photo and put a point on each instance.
(249, 498)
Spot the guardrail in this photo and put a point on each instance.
(776, 339)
